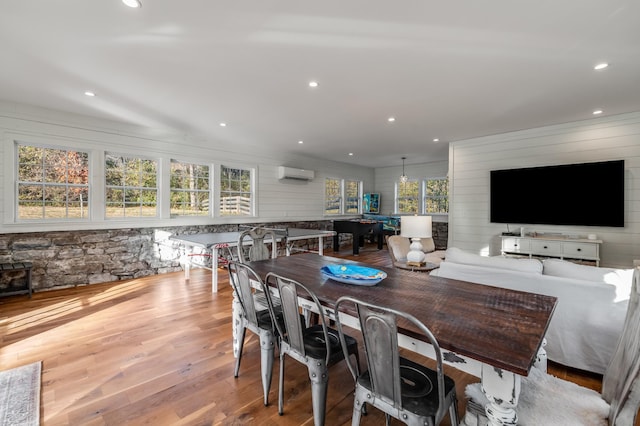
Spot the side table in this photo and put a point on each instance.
(426, 268)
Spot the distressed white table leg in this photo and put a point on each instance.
(502, 388)
(236, 310)
(214, 269)
(541, 358)
(187, 262)
(320, 245)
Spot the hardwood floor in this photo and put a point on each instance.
(158, 351)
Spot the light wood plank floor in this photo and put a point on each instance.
(158, 351)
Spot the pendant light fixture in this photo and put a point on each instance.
(404, 177)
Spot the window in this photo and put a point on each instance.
(131, 187)
(407, 197)
(332, 196)
(52, 183)
(236, 192)
(436, 195)
(189, 189)
(353, 195)
(342, 196)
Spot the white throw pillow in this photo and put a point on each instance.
(563, 268)
(455, 255)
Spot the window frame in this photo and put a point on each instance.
(209, 191)
(426, 197)
(124, 187)
(417, 197)
(341, 199)
(15, 172)
(219, 189)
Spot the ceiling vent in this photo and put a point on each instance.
(293, 173)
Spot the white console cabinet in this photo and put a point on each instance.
(552, 246)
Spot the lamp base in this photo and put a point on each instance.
(417, 264)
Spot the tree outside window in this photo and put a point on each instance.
(52, 183)
(408, 197)
(131, 187)
(236, 192)
(353, 195)
(436, 196)
(189, 189)
(332, 196)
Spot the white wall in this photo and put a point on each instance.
(386, 178)
(277, 200)
(601, 139)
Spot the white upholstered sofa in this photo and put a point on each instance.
(592, 302)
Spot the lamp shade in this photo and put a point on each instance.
(415, 226)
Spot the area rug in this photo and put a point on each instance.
(20, 395)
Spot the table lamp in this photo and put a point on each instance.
(415, 228)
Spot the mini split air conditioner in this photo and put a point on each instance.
(293, 173)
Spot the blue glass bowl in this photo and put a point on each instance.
(353, 274)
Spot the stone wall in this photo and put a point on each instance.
(71, 258)
(440, 233)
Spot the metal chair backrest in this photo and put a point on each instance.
(290, 290)
(624, 368)
(255, 247)
(378, 325)
(241, 276)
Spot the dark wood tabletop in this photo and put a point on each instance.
(500, 327)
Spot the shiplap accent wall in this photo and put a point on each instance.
(601, 139)
(277, 200)
(386, 178)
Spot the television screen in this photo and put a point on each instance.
(587, 194)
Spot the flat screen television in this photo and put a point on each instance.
(586, 194)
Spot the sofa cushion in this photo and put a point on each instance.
(457, 255)
(563, 268)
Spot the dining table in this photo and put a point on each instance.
(494, 333)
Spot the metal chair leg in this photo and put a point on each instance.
(240, 345)
(281, 386)
(319, 376)
(266, 363)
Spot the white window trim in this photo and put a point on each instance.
(253, 170)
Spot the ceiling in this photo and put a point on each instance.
(448, 70)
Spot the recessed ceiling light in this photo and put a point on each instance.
(391, 119)
(351, 154)
(601, 66)
(300, 142)
(133, 3)
(223, 124)
(313, 84)
(598, 111)
(89, 93)
(436, 140)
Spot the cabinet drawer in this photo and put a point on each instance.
(515, 245)
(546, 248)
(580, 250)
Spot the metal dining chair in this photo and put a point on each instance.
(401, 388)
(316, 346)
(252, 245)
(256, 318)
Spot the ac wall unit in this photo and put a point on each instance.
(293, 173)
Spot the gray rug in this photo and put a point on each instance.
(20, 395)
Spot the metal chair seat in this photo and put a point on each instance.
(418, 391)
(315, 346)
